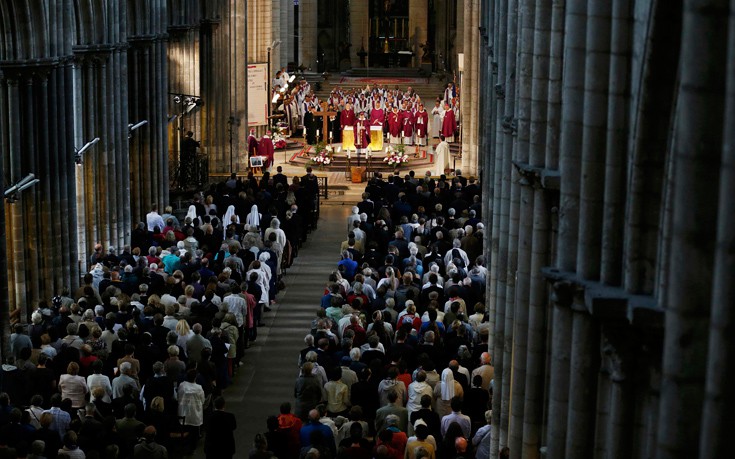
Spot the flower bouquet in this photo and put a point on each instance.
(394, 157)
(323, 156)
(279, 141)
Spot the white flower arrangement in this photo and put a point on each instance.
(394, 157)
(322, 159)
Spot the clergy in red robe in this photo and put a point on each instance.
(252, 144)
(394, 126)
(362, 132)
(449, 124)
(407, 123)
(377, 115)
(347, 116)
(265, 148)
(422, 125)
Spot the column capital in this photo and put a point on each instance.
(16, 71)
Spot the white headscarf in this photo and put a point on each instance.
(447, 384)
(227, 219)
(192, 213)
(253, 217)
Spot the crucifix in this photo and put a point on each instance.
(325, 121)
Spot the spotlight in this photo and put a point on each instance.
(177, 99)
(11, 194)
(78, 153)
(132, 127)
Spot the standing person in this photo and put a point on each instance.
(347, 116)
(149, 448)
(310, 126)
(308, 391)
(421, 121)
(449, 123)
(362, 135)
(154, 219)
(394, 126)
(191, 406)
(437, 114)
(407, 126)
(441, 155)
(265, 148)
(220, 439)
(377, 114)
(252, 144)
(188, 157)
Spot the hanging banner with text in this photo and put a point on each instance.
(257, 94)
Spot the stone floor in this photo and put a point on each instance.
(270, 365)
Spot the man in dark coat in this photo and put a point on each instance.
(220, 439)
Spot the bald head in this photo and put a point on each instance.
(485, 358)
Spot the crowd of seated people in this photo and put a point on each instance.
(396, 363)
(133, 363)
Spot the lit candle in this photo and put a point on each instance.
(317, 132)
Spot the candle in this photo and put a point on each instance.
(317, 132)
(348, 154)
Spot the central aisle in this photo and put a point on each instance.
(270, 370)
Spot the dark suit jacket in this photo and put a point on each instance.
(220, 440)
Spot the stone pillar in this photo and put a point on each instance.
(467, 88)
(238, 81)
(359, 29)
(471, 168)
(561, 343)
(418, 22)
(582, 383)
(291, 35)
(697, 155)
(308, 14)
(286, 32)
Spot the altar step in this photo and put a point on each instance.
(340, 162)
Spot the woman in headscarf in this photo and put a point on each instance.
(276, 228)
(253, 218)
(257, 267)
(227, 219)
(270, 276)
(444, 392)
(192, 212)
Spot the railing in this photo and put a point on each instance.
(187, 175)
(323, 187)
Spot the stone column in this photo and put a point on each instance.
(284, 30)
(359, 29)
(291, 34)
(571, 132)
(719, 396)
(418, 22)
(582, 383)
(471, 168)
(467, 89)
(561, 343)
(697, 155)
(238, 80)
(308, 14)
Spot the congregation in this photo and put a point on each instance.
(133, 364)
(396, 362)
